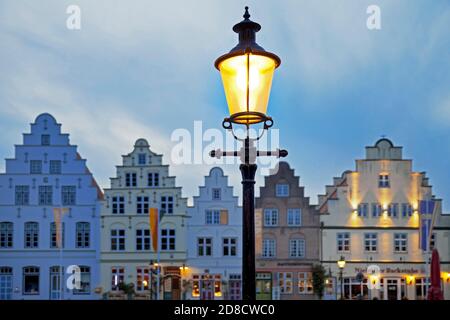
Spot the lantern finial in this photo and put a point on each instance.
(246, 14)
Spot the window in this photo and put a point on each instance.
(45, 195)
(6, 283)
(407, 210)
(117, 239)
(370, 242)
(142, 204)
(229, 247)
(153, 179)
(212, 217)
(117, 277)
(83, 234)
(22, 195)
(55, 167)
(6, 235)
(282, 190)
(432, 241)
(35, 166)
(294, 217)
(204, 247)
(216, 193)
(269, 246)
(142, 239)
(68, 195)
(45, 139)
(85, 281)
(393, 210)
(305, 285)
(376, 210)
(167, 239)
(296, 248)
(118, 205)
(130, 179)
(383, 181)
(142, 278)
(55, 240)
(343, 242)
(142, 158)
(166, 204)
(31, 235)
(234, 283)
(421, 288)
(400, 242)
(363, 210)
(270, 217)
(30, 280)
(285, 282)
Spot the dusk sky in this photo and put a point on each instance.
(145, 68)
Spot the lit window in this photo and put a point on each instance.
(282, 190)
(285, 282)
(142, 279)
(305, 283)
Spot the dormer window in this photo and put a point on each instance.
(383, 181)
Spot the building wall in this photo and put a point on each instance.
(342, 212)
(282, 233)
(229, 225)
(130, 220)
(86, 209)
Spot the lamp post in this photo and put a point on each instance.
(247, 72)
(341, 266)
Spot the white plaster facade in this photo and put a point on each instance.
(214, 262)
(47, 172)
(389, 238)
(142, 182)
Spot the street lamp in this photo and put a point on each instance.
(247, 72)
(341, 266)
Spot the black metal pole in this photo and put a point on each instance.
(342, 283)
(248, 171)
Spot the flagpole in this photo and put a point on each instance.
(158, 257)
(61, 252)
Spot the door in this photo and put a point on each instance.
(55, 283)
(207, 290)
(392, 287)
(6, 286)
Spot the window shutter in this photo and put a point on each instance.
(224, 216)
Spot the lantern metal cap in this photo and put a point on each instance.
(247, 29)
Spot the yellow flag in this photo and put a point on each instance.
(58, 215)
(154, 220)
